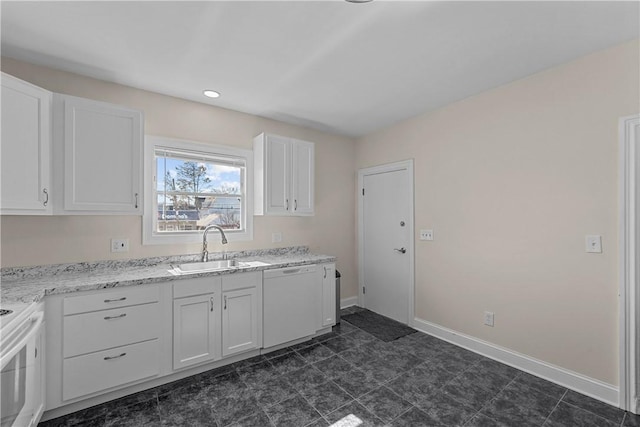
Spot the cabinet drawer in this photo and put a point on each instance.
(89, 332)
(241, 280)
(94, 372)
(199, 286)
(110, 299)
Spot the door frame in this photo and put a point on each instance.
(629, 129)
(374, 170)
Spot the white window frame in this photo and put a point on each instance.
(149, 234)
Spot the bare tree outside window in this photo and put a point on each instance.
(192, 178)
(193, 194)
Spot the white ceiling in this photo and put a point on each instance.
(331, 65)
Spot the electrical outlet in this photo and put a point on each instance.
(276, 237)
(119, 245)
(426, 234)
(488, 318)
(593, 244)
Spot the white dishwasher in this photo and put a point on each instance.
(289, 304)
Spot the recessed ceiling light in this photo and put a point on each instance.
(211, 93)
(358, 1)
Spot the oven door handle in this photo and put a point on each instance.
(14, 347)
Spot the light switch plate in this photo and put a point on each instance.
(276, 237)
(593, 244)
(426, 234)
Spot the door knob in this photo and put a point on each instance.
(401, 250)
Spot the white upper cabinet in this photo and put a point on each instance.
(97, 157)
(284, 175)
(25, 149)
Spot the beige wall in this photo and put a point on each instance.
(60, 239)
(511, 181)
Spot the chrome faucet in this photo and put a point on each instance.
(205, 252)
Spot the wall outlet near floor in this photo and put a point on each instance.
(119, 245)
(276, 237)
(488, 318)
(426, 234)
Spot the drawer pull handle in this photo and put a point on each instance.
(211, 299)
(115, 300)
(115, 357)
(295, 270)
(115, 317)
(225, 302)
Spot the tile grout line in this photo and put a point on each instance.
(586, 410)
(479, 412)
(555, 407)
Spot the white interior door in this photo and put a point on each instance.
(386, 242)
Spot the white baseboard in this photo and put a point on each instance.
(348, 302)
(564, 377)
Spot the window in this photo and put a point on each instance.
(189, 186)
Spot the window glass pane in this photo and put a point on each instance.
(194, 193)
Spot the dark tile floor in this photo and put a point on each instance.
(416, 380)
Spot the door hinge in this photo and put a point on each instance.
(363, 191)
(364, 290)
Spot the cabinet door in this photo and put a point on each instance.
(195, 330)
(302, 178)
(328, 295)
(102, 157)
(239, 321)
(277, 170)
(25, 149)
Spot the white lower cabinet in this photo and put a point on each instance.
(104, 346)
(328, 290)
(196, 321)
(105, 341)
(105, 369)
(241, 313)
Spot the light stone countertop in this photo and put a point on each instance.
(29, 284)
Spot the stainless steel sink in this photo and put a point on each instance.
(203, 267)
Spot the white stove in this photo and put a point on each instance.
(16, 312)
(21, 397)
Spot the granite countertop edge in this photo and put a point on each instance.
(32, 284)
